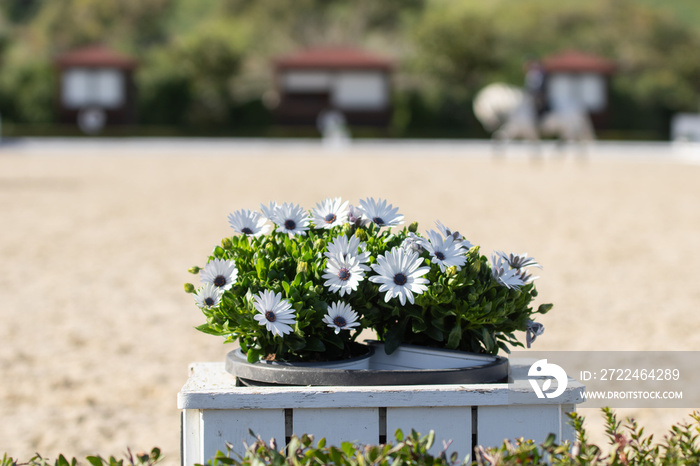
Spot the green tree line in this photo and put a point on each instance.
(206, 64)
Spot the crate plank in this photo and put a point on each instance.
(338, 425)
(497, 423)
(451, 424)
(232, 426)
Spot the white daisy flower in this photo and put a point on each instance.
(503, 274)
(248, 223)
(525, 276)
(343, 274)
(342, 247)
(292, 219)
(341, 317)
(330, 213)
(457, 237)
(400, 274)
(276, 314)
(446, 252)
(380, 212)
(269, 210)
(413, 243)
(518, 261)
(208, 296)
(220, 273)
(355, 216)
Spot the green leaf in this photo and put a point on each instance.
(418, 325)
(315, 344)
(254, 355)
(430, 439)
(261, 267)
(393, 337)
(487, 339)
(348, 448)
(455, 337)
(205, 328)
(94, 460)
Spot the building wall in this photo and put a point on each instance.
(362, 95)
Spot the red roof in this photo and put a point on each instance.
(95, 55)
(334, 58)
(577, 62)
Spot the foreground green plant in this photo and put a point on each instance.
(628, 446)
(130, 459)
(409, 450)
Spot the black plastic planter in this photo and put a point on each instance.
(408, 365)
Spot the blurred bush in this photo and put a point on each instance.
(205, 64)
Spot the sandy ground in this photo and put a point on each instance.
(97, 332)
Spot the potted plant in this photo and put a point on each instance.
(295, 286)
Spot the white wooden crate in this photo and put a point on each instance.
(216, 411)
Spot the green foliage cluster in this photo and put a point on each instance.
(464, 308)
(628, 446)
(207, 64)
(300, 451)
(130, 459)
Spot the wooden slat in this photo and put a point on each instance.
(221, 426)
(497, 423)
(338, 425)
(452, 423)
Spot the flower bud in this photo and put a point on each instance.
(189, 288)
(361, 233)
(194, 270)
(226, 243)
(347, 229)
(302, 267)
(319, 244)
(413, 227)
(451, 271)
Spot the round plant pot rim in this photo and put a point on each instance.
(495, 371)
(308, 364)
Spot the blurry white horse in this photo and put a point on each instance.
(509, 113)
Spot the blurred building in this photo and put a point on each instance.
(575, 78)
(354, 82)
(96, 88)
(685, 127)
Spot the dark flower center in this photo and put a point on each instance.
(340, 321)
(220, 280)
(270, 316)
(290, 224)
(330, 218)
(247, 231)
(378, 220)
(400, 279)
(209, 301)
(344, 274)
(440, 255)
